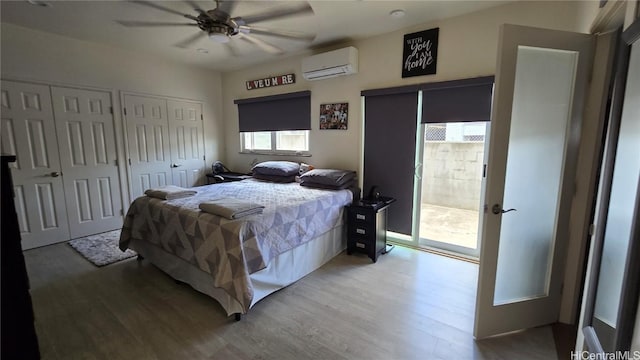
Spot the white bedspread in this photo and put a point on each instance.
(230, 250)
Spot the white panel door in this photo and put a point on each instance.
(85, 130)
(148, 141)
(187, 143)
(28, 131)
(540, 85)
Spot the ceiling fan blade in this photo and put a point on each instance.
(226, 5)
(232, 49)
(277, 32)
(197, 8)
(272, 49)
(190, 40)
(278, 13)
(159, 7)
(152, 23)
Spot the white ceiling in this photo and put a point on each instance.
(332, 22)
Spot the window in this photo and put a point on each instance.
(276, 124)
(287, 141)
(456, 132)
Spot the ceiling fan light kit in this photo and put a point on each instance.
(218, 34)
(220, 27)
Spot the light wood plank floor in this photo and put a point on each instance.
(409, 305)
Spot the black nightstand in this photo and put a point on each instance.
(367, 227)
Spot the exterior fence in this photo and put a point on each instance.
(452, 174)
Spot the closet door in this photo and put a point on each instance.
(187, 142)
(148, 141)
(85, 129)
(28, 131)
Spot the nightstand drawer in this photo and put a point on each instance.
(361, 244)
(360, 228)
(364, 215)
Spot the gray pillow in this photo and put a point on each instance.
(275, 178)
(277, 168)
(346, 185)
(330, 177)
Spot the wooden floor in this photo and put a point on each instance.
(409, 305)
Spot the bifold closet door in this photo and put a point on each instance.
(148, 141)
(187, 142)
(28, 131)
(85, 129)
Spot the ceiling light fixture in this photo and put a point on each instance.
(218, 34)
(39, 3)
(397, 13)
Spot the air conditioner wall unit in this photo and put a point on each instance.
(331, 64)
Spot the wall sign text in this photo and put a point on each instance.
(420, 53)
(271, 81)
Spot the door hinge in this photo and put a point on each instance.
(125, 111)
(129, 161)
(204, 158)
(122, 212)
(484, 171)
(201, 117)
(111, 110)
(592, 229)
(116, 161)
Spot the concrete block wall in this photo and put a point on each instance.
(452, 174)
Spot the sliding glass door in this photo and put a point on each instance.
(451, 185)
(424, 146)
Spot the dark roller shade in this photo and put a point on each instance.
(389, 153)
(290, 111)
(457, 101)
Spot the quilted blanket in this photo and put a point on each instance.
(230, 250)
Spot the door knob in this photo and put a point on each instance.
(55, 174)
(497, 209)
(175, 165)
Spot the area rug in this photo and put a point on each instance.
(101, 249)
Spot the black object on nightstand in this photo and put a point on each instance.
(367, 226)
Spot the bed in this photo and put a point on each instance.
(239, 262)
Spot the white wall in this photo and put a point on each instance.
(38, 56)
(467, 48)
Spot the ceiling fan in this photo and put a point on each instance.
(220, 27)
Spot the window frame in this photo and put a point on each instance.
(274, 143)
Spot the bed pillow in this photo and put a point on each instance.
(347, 185)
(277, 168)
(329, 177)
(275, 178)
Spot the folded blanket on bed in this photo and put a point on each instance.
(231, 208)
(170, 192)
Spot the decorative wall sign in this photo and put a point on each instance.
(271, 81)
(420, 53)
(334, 116)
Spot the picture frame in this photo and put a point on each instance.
(334, 116)
(420, 53)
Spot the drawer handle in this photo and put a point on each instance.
(361, 217)
(360, 245)
(361, 231)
